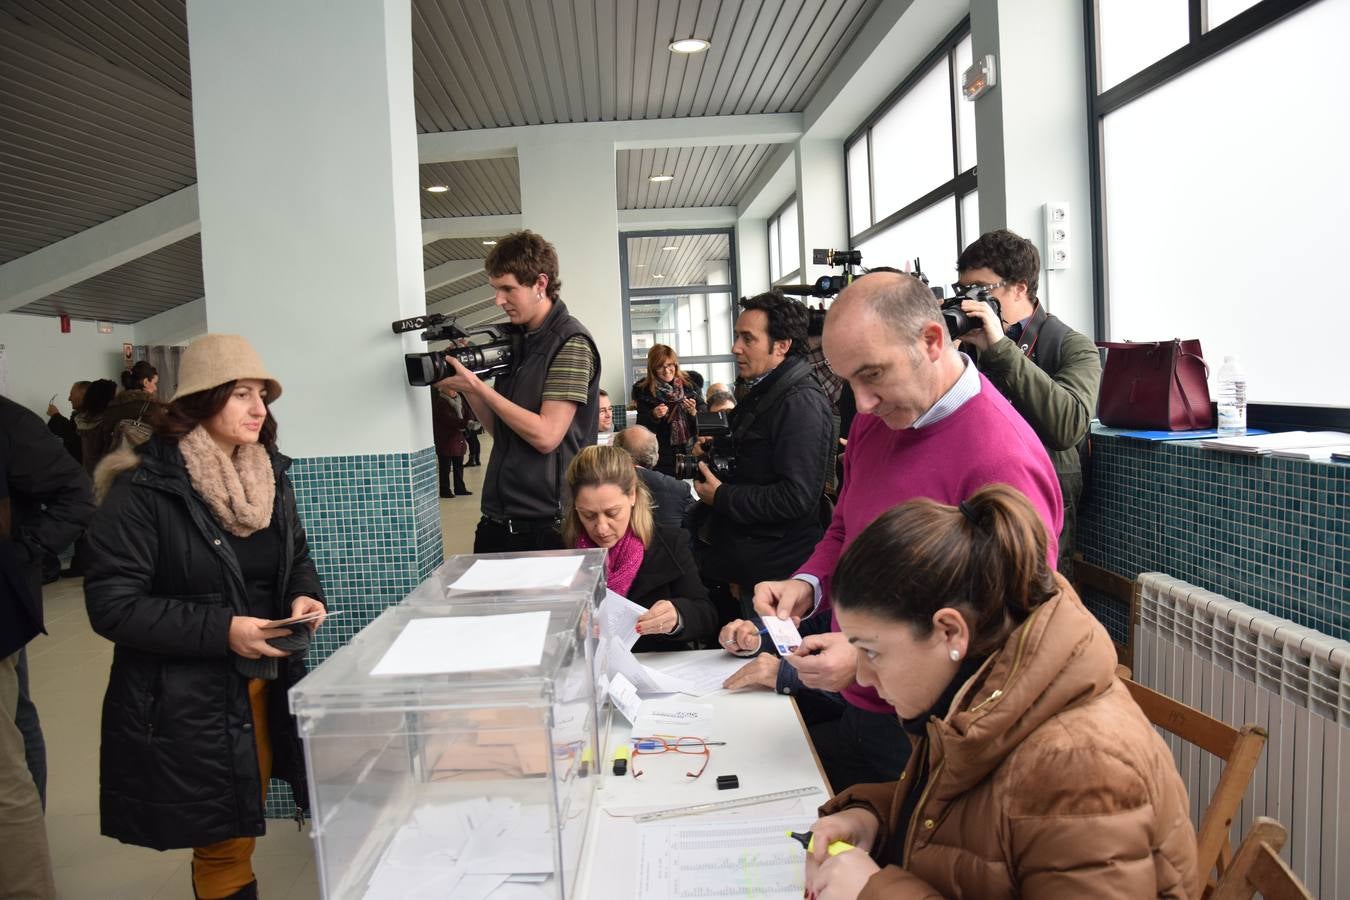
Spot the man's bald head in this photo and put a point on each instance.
(640, 443)
(902, 303)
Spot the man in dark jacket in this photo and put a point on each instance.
(45, 502)
(763, 519)
(1047, 371)
(671, 497)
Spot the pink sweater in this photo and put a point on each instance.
(983, 442)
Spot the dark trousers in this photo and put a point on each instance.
(495, 537)
(475, 449)
(861, 747)
(26, 718)
(449, 465)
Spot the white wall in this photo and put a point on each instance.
(40, 361)
(175, 326)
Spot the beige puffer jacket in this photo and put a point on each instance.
(1046, 781)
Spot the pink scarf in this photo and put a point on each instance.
(621, 562)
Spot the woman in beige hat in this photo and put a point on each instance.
(195, 551)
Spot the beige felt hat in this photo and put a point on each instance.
(214, 359)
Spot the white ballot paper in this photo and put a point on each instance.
(724, 858)
(466, 644)
(519, 574)
(673, 716)
(620, 661)
(700, 674)
(618, 619)
(626, 698)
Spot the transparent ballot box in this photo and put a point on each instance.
(533, 577)
(451, 751)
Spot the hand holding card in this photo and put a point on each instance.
(783, 634)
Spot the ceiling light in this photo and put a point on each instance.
(658, 276)
(437, 189)
(489, 243)
(671, 247)
(689, 45)
(642, 265)
(657, 179)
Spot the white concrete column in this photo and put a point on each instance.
(1031, 132)
(311, 232)
(567, 195)
(822, 204)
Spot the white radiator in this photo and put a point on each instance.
(1242, 666)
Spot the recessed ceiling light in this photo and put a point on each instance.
(671, 247)
(437, 189)
(658, 276)
(489, 243)
(689, 45)
(642, 265)
(657, 179)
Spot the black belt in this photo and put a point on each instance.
(524, 526)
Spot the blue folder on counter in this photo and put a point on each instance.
(1166, 435)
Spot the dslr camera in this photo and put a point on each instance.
(488, 359)
(958, 322)
(719, 453)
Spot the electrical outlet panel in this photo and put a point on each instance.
(1058, 228)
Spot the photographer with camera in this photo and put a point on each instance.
(540, 412)
(762, 495)
(928, 425)
(1049, 372)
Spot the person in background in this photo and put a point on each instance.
(89, 419)
(1034, 772)
(45, 501)
(605, 432)
(130, 418)
(196, 551)
(1049, 372)
(649, 564)
(65, 428)
(721, 401)
(671, 497)
(447, 425)
(667, 403)
(928, 425)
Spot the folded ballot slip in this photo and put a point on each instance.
(783, 633)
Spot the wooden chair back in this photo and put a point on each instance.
(1116, 588)
(1258, 868)
(1239, 748)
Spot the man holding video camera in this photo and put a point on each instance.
(762, 518)
(541, 412)
(1049, 372)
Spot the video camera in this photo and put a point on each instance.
(486, 360)
(826, 286)
(719, 454)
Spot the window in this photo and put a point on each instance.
(679, 289)
(911, 169)
(1217, 200)
(785, 245)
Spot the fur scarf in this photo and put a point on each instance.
(239, 490)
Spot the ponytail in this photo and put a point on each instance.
(986, 557)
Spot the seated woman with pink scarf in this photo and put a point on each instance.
(649, 564)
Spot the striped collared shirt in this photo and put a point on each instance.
(967, 388)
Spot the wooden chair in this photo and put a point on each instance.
(1116, 588)
(1239, 748)
(1257, 867)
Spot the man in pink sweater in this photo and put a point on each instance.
(928, 425)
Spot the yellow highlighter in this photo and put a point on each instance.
(808, 840)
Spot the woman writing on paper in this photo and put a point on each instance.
(649, 564)
(196, 548)
(1034, 773)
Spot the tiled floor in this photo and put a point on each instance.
(69, 671)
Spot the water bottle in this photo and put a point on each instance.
(1232, 399)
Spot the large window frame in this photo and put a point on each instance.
(629, 294)
(1203, 44)
(963, 183)
(776, 242)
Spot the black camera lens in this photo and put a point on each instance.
(958, 321)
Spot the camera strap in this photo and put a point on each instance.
(1032, 333)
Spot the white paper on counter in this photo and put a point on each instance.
(518, 574)
(466, 644)
(618, 619)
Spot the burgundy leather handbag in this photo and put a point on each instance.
(1162, 386)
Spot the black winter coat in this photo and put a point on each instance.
(646, 403)
(178, 762)
(768, 517)
(668, 572)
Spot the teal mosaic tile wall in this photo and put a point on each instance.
(1271, 533)
(374, 529)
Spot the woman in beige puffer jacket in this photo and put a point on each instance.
(1034, 773)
